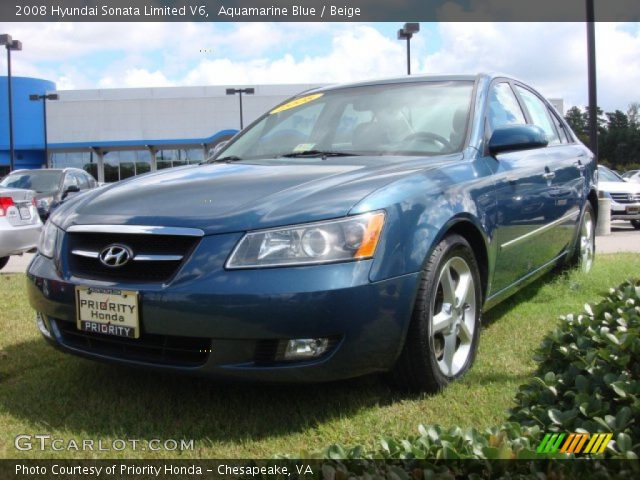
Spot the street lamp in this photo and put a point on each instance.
(240, 91)
(44, 98)
(591, 74)
(16, 45)
(406, 33)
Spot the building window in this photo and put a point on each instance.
(84, 160)
(122, 164)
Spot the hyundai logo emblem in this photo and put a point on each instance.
(115, 255)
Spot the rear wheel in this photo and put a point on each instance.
(585, 248)
(636, 224)
(443, 335)
(3, 262)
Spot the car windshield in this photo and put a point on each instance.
(606, 175)
(421, 118)
(41, 181)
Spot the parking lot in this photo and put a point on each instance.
(623, 238)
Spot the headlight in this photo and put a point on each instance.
(353, 238)
(48, 240)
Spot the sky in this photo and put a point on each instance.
(549, 56)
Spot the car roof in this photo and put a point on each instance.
(407, 79)
(67, 169)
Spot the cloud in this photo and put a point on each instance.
(359, 52)
(137, 77)
(550, 56)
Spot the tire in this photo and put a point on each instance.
(585, 247)
(442, 339)
(636, 224)
(3, 262)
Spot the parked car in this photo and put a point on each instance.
(632, 176)
(52, 185)
(624, 195)
(19, 223)
(352, 229)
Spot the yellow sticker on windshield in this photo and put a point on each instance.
(296, 103)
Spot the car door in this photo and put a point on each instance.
(565, 166)
(522, 187)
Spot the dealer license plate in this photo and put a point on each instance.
(633, 210)
(108, 311)
(25, 213)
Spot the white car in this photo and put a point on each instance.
(20, 224)
(624, 195)
(633, 176)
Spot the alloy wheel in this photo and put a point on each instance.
(587, 248)
(453, 319)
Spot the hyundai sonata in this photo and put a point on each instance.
(352, 229)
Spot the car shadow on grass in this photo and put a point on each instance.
(49, 390)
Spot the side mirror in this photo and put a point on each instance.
(511, 138)
(70, 189)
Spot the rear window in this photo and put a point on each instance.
(40, 181)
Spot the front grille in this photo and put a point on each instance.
(626, 197)
(149, 348)
(139, 244)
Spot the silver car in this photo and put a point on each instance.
(20, 224)
(624, 195)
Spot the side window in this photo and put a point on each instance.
(540, 115)
(82, 180)
(69, 180)
(503, 107)
(564, 135)
(90, 181)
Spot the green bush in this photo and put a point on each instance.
(589, 374)
(588, 380)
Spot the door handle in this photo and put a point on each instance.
(549, 175)
(579, 165)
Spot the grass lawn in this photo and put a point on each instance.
(43, 391)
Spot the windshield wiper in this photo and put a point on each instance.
(318, 153)
(230, 158)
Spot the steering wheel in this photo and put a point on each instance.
(433, 137)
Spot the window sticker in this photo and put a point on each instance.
(296, 103)
(304, 147)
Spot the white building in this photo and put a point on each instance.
(117, 133)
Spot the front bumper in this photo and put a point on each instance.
(242, 314)
(18, 240)
(625, 211)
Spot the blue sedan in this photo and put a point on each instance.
(352, 229)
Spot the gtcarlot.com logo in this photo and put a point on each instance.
(574, 443)
(43, 442)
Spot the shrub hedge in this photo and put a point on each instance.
(588, 380)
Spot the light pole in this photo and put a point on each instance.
(16, 45)
(591, 74)
(407, 32)
(240, 91)
(44, 98)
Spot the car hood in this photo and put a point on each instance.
(230, 197)
(619, 187)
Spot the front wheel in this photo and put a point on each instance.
(636, 224)
(3, 262)
(443, 334)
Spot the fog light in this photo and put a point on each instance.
(43, 325)
(305, 348)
